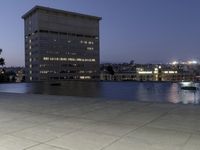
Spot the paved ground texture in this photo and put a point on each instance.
(36, 122)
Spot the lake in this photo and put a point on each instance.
(133, 91)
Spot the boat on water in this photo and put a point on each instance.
(189, 86)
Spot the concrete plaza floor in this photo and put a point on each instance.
(38, 122)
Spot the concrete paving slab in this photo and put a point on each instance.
(8, 142)
(81, 140)
(43, 122)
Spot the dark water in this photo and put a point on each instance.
(135, 91)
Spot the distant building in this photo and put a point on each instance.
(14, 74)
(61, 45)
(122, 72)
(151, 72)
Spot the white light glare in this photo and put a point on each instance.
(174, 62)
(192, 62)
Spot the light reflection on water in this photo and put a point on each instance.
(136, 91)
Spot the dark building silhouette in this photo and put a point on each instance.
(61, 45)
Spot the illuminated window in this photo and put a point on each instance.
(30, 53)
(85, 77)
(30, 47)
(155, 71)
(145, 72)
(30, 66)
(44, 72)
(31, 78)
(79, 59)
(90, 48)
(82, 77)
(45, 58)
(63, 59)
(71, 59)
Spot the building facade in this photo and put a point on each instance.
(61, 45)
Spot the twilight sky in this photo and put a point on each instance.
(142, 30)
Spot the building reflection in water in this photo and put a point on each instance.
(133, 91)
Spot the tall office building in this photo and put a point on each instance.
(61, 45)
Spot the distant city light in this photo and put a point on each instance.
(192, 62)
(145, 72)
(174, 62)
(184, 62)
(170, 72)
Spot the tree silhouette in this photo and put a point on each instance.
(110, 70)
(2, 61)
(3, 77)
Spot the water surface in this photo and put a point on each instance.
(134, 91)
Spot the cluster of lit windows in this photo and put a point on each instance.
(82, 71)
(87, 42)
(68, 59)
(145, 72)
(170, 72)
(44, 72)
(43, 65)
(85, 77)
(90, 48)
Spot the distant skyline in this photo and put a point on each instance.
(146, 31)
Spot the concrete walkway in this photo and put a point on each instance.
(37, 122)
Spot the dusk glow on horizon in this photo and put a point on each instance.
(155, 31)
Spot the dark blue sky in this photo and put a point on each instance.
(142, 30)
